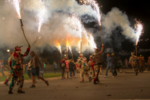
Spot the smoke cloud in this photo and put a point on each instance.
(57, 24)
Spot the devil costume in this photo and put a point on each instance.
(16, 63)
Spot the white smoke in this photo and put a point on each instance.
(116, 18)
(56, 25)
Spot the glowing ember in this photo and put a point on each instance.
(16, 4)
(139, 29)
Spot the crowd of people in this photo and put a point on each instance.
(91, 69)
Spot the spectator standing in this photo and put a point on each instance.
(148, 63)
(63, 66)
(114, 62)
(109, 64)
(2, 67)
(44, 67)
(55, 67)
(71, 68)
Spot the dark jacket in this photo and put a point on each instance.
(114, 60)
(71, 66)
(63, 64)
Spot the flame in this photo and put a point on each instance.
(70, 49)
(139, 29)
(16, 4)
(58, 45)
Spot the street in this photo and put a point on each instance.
(124, 86)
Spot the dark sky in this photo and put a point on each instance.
(134, 9)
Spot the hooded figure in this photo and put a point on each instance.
(133, 61)
(16, 64)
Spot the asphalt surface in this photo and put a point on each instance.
(125, 86)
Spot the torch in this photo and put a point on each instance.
(101, 34)
(21, 23)
(136, 49)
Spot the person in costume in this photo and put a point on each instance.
(84, 68)
(90, 63)
(11, 71)
(16, 64)
(133, 61)
(97, 57)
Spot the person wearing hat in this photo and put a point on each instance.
(133, 61)
(16, 64)
(63, 66)
(109, 64)
(97, 57)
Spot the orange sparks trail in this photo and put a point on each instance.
(58, 45)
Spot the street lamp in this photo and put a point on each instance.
(8, 50)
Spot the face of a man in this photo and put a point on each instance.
(132, 54)
(32, 54)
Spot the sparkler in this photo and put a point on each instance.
(41, 15)
(59, 47)
(96, 7)
(139, 29)
(16, 5)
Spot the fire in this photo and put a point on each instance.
(139, 29)
(58, 45)
(17, 7)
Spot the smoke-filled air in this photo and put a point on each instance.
(59, 22)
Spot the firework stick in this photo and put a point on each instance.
(23, 30)
(101, 35)
(136, 49)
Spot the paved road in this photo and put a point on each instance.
(124, 86)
